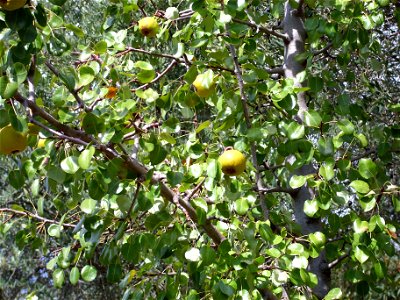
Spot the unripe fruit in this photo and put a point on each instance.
(11, 5)
(204, 87)
(148, 26)
(232, 162)
(12, 141)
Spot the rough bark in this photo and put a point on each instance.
(293, 26)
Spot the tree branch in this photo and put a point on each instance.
(131, 49)
(74, 92)
(159, 76)
(35, 216)
(278, 190)
(265, 30)
(334, 263)
(244, 100)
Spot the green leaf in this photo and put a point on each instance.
(70, 165)
(255, 134)
(327, 171)
(20, 72)
(334, 294)
(242, 206)
(376, 220)
(86, 75)
(58, 278)
(114, 273)
(295, 131)
(363, 139)
(85, 158)
(317, 238)
(273, 252)
(158, 219)
(360, 226)
(367, 168)
(360, 255)
(311, 207)
(74, 276)
(297, 181)
(158, 154)
(312, 118)
(93, 124)
(7, 88)
(88, 273)
(16, 179)
(75, 29)
(213, 168)
(149, 95)
(203, 126)
(295, 249)
(54, 230)
(325, 146)
(226, 289)
(88, 205)
(124, 203)
(56, 174)
(360, 186)
(346, 126)
(100, 47)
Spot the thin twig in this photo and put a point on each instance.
(194, 191)
(74, 92)
(317, 52)
(262, 29)
(138, 185)
(159, 76)
(334, 263)
(244, 100)
(138, 50)
(278, 190)
(35, 216)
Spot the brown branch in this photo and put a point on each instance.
(35, 216)
(326, 48)
(362, 155)
(194, 191)
(138, 185)
(263, 29)
(334, 263)
(131, 49)
(74, 92)
(278, 190)
(244, 100)
(159, 76)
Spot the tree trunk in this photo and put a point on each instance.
(293, 27)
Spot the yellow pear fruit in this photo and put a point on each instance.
(233, 162)
(204, 88)
(12, 4)
(148, 26)
(12, 141)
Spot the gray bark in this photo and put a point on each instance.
(293, 27)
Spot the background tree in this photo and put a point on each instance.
(121, 179)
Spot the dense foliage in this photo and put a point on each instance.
(120, 191)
